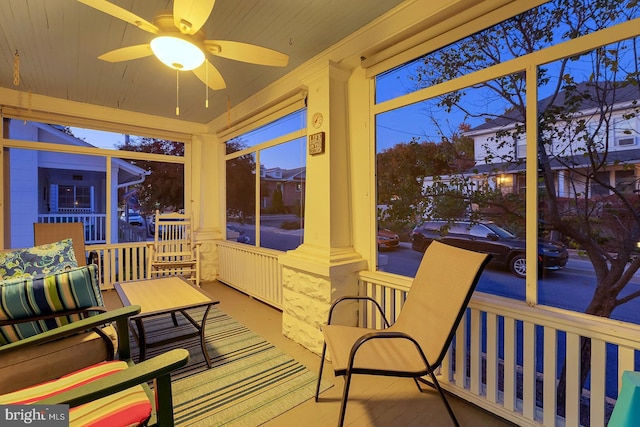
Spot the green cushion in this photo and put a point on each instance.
(26, 297)
(626, 413)
(38, 260)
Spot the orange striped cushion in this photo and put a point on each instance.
(129, 407)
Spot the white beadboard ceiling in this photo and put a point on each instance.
(58, 42)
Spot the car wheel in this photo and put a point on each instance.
(518, 265)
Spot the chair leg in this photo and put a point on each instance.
(345, 397)
(324, 352)
(436, 384)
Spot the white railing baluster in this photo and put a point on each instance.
(475, 366)
(509, 371)
(492, 358)
(460, 375)
(549, 394)
(598, 353)
(529, 371)
(572, 366)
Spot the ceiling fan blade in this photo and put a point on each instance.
(210, 76)
(246, 53)
(190, 15)
(127, 53)
(120, 13)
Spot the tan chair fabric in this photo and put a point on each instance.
(436, 298)
(54, 232)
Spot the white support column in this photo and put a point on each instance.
(206, 186)
(324, 267)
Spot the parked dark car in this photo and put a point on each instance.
(486, 236)
(133, 217)
(387, 239)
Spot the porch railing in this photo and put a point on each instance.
(119, 262)
(254, 271)
(95, 225)
(510, 356)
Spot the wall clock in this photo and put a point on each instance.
(316, 120)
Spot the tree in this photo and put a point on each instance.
(241, 181)
(277, 204)
(164, 186)
(575, 124)
(401, 171)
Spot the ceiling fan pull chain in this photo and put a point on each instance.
(16, 69)
(177, 92)
(206, 85)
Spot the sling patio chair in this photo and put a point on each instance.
(416, 344)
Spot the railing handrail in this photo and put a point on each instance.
(610, 330)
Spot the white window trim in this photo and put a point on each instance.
(266, 114)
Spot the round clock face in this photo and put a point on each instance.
(316, 120)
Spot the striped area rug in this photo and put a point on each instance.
(250, 382)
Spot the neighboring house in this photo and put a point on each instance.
(61, 187)
(500, 160)
(291, 184)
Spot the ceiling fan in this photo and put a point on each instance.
(180, 42)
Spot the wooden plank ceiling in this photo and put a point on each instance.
(58, 42)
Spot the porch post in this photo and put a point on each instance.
(324, 267)
(205, 196)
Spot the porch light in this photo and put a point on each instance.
(177, 53)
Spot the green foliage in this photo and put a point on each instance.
(277, 204)
(164, 186)
(241, 181)
(401, 171)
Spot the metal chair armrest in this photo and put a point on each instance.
(356, 297)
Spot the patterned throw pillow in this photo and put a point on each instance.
(26, 297)
(38, 260)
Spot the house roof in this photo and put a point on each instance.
(621, 95)
(613, 157)
(128, 172)
(285, 174)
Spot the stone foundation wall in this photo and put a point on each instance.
(306, 301)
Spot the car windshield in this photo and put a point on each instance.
(501, 232)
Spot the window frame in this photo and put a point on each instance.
(526, 64)
(261, 172)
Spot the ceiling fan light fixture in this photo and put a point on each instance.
(177, 53)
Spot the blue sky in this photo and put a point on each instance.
(286, 156)
(99, 138)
